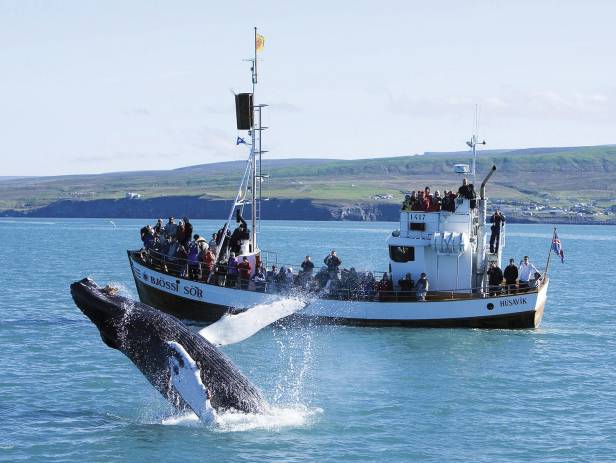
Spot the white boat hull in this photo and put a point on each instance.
(190, 299)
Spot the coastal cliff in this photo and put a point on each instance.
(196, 207)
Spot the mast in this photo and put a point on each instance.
(473, 142)
(253, 183)
(257, 151)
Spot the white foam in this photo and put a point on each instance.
(274, 419)
(235, 328)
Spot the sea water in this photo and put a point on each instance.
(338, 393)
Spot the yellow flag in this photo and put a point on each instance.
(259, 42)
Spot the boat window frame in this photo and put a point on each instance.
(400, 258)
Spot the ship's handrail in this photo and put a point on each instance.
(181, 268)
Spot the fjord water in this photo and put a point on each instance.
(340, 393)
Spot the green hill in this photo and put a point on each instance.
(561, 176)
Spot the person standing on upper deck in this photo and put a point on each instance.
(526, 270)
(333, 263)
(497, 220)
(427, 199)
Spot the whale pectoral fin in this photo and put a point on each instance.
(186, 380)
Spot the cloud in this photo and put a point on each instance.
(541, 103)
(122, 156)
(138, 112)
(283, 106)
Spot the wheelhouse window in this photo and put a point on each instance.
(402, 253)
(417, 226)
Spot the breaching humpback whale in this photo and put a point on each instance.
(184, 367)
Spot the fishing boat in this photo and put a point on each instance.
(450, 246)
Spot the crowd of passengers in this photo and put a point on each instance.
(428, 202)
(176, 250)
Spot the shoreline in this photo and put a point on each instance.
(274, 209)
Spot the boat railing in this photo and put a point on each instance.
(363, 286)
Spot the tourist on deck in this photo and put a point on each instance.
(333, 263)
(171, 248)
(207, 263)
(307, 266)
(384, 288)
(422, 287)
(452, 201)
(536, 281)
(240, 235)
(497, 220)
(525, 271)
(406, 284)
(171, 228)
(259, 279)
(289, 279)
(436, 202)
(495, 278)
(368, 284)
(416, 200)
(270, 278)
(352, 281)
(305, 276)
(511, 276)
(188, 231)
(244, 269)
(193, 260)
(147, 237)
(159, 228)
(420, 201)
(182, 256)
(232, 271)
(179, 231)
(427, 199)
(446, 202)
(407, 204)
(213, 242)
(467, 191)
(220, 275)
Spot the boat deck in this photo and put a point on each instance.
(180, 269)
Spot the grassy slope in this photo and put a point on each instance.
(563, 174)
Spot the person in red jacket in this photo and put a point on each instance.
(244, 268)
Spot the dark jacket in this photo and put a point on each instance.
(307, 266)
(405, 284)
(495, 276)
(511, 274)
(332, 262)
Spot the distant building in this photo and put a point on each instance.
(130, 195)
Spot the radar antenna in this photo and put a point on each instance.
(474, 141)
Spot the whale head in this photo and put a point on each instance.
(99, 306)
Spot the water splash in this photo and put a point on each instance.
(274, 419)
(231, 329)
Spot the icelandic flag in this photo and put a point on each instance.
(240, 140)
(557, 247)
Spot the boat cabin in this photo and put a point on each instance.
(448, 246)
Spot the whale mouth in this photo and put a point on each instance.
(98, 305)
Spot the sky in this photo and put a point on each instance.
(99, 86)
